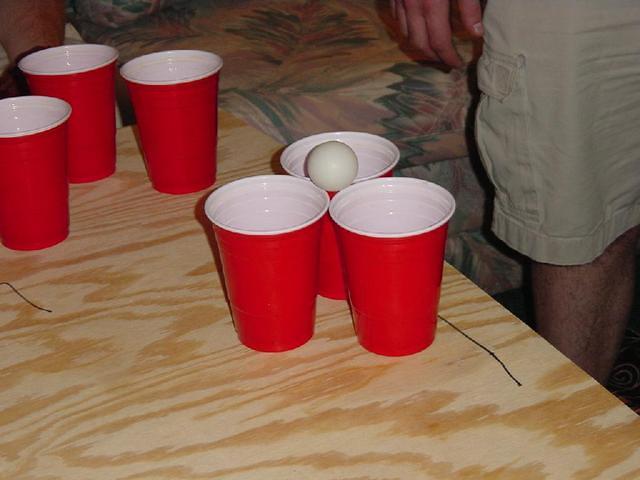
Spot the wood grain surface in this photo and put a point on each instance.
(136, 373)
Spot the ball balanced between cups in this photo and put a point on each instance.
(376, 157)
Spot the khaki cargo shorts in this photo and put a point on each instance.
(558, 125)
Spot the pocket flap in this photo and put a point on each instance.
(498, 73)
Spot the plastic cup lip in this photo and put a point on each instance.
(134, 70)
(38, 63)
(301, 185)
(365, 190)
(10, 108)
(294, 155)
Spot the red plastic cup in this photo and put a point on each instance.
(268, 234)
(83, 76)
(392, 233)
(377, 157)
(175, 98)
(34, 192)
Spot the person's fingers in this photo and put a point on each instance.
(427, 25)
(402, 18)
(471, 16)
(429, 53)
(439, 26)
(418, 35)
(393, 6)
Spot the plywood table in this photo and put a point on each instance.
(136, 372)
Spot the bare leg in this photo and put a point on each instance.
(25, 24)
(583, 310)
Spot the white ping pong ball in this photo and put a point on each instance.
(332, 165)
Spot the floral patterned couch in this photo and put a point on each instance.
(298, 67)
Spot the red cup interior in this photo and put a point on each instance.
(376, 155)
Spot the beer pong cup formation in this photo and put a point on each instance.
(175, 98)
(282, 240)
(376, 157)
(268, 233)
(83, 76)
(34, 191)
(392, 232)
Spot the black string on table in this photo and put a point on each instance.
(17, 292)
(468, 337)
(495, 357)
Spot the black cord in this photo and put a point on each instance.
(482, 347)
(17, 292)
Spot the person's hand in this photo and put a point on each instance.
(427, 25)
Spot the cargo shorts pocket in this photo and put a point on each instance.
(502, 133)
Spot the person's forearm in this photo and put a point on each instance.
(25, 24)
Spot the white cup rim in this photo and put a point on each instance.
(288, 158)
(128, 69)
(65, 112)
(29, 64)
(376, 183)
(214, 197)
